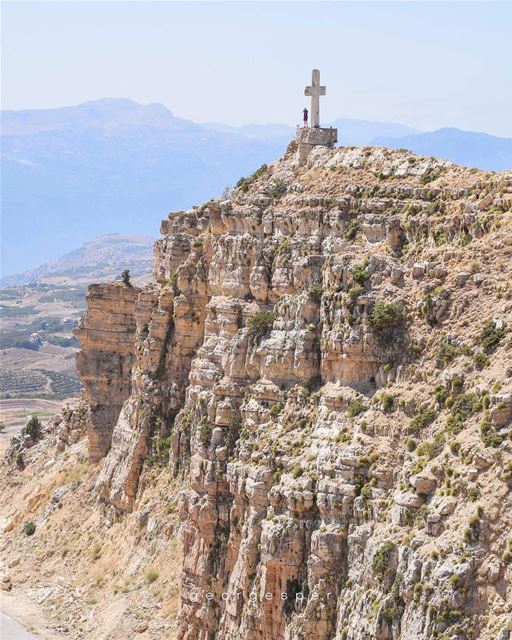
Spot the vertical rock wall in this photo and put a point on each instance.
(107, 334)
(287, 352)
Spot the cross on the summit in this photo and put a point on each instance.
(315, 91)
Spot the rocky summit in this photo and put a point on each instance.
(314, 396)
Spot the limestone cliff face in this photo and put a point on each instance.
(106, 333)
(326, 355)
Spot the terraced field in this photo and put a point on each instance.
(37, 345)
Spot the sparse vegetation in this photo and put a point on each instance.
(29, 528)
(385, 317)
(381, 560)
(490, 336)
(355, 407)
(125, 277)
(151, 576)
(261, 323)
(424, 418)
(244, 183)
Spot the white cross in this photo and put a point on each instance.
(315, 91)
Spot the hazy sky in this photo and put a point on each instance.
(425, 64)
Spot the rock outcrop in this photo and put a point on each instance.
(106, 333)
(325, 357)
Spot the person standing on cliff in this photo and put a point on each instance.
(305, 114)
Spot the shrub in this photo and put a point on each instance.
(490, 336)
(276, 409)
(446, 352)
(125, 277)
(387, 316)
(205, 432)
(29, 528)
(474, 493)
(481, 360)
(360, 274)
(381, 560)
(244, 183)
(424, 418)
(276, 189)
(297, 471)
(151, 576)
(33, 428)
(430, 449)
(356, 407)
(507, 557)
(411, 444)
(354, 293)
(232, 433)
(351, 231)
(387, 400)
(429, 176)
(315, 293)
(261, 323)
(462, 407)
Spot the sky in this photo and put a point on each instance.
(424, 64)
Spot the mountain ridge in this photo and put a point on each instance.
(101, 258)
(114, 165)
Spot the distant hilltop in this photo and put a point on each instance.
(103, 258)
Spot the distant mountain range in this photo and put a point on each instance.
(113, 165)
(468, 148)
(103, 258)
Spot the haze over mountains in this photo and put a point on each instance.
(113, 165)
(103, 258)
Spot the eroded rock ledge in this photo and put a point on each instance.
(300, 355)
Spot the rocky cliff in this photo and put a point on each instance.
(324, 360)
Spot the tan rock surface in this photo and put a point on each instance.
(325, 359)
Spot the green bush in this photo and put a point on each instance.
(276, 189)
(297, 471)
(315, 293)
(424, 418)
(360, 274)
(381, 560)
(29, 528)
(463, 407)
(351, 231)
(261, 323)
(387, 400)
(205, 432)
(387, 316)
(490, 437)
(481, 360)
(33, 428)
(490, 336)
(446, 352)
(151, 576)
(356, 407)
(232, 433)
(244, 183)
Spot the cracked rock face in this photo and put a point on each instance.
(306, 354)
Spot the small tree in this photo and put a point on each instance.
(125, 276)
(33, 428)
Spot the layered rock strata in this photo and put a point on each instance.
(322, 354)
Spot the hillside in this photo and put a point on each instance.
(314, 397)
(102, 258)
(464, 147)
(105, 167)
